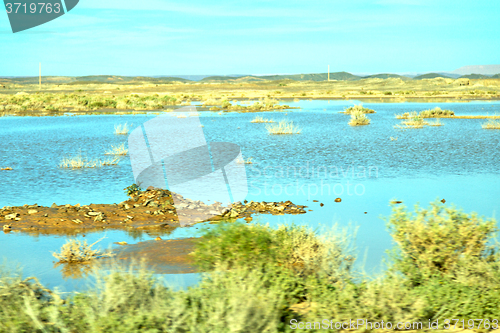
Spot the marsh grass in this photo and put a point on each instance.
(436, 112)
(283, 127)
(76, 251)
(243, 161)
(431, 113)
(80, 162)
(437, 122)
(259, 119)
(358, 108)
(122, 129)
(117, 150)
(491, 124)
(358, 118)
(415, 121)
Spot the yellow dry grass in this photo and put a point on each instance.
(122, 129)
(358, 118)
(491, 124)
(358, 108)
(118, 150)
(243, 161)
(283, 127)
(80, 162)
(437, 122)
(259, 119)
(76, 251)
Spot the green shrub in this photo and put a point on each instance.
(236, 245)
(432, 241)
(296, 248)
(134, 188)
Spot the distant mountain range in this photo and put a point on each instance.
(470, 72)
(478, 69)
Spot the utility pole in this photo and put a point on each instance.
(328, 72)
(40, 76)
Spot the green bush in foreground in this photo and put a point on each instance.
(260, 278)
(434, 241)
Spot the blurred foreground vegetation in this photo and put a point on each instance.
(444, 264)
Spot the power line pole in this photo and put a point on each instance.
(40, 76)
(328, 72)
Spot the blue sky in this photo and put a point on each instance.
(163, 37)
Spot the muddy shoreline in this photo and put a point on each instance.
(150, 210)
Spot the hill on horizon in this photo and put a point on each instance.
(431, 76)
(475, 76)
(478, 69)
(315, 77)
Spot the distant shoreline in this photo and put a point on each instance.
(54, 99)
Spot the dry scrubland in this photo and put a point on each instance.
(53, 98)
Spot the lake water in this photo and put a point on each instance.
(362, 165)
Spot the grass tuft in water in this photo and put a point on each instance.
(76, 251)
(491, 124)
(261, 120)
(80, 162)
(359, 119)
(431, 113)
(243, 161)
(436, 112)
(358, 108)
(118, 150)
(437, 122)
(413, 121)
(122, 129)
(283, 127)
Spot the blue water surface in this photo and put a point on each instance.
(329, 159)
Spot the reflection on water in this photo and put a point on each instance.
(362, 165)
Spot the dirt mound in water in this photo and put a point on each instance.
(150, 209)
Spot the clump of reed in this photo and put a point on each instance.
(412, 123)
(431, 113)
(81, 162)
(283, 127)
(118, 150)
(259, 119)
(413, 120)
(76, 251)
(243, 161)
(358, 108)
(437, 122)
(358, 118)
(122, 129)
(436, 112)
(491, 124)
